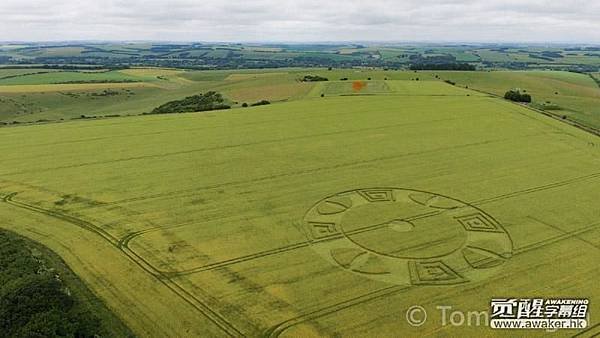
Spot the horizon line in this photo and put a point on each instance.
(322, 42)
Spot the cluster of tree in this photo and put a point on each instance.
(21, 75)
(231, 60)
(199, 56)
(106, 92)
(581, 69)
(597, 49)
(314, 78)
(24, 64)
(535, 56)
(443, 66)
(97, 81)
(202, 102)
(517, 96)
(119, 52)
(432, 59)
(513, 65)
(552, 54)
(34, 301)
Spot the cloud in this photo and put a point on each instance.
(306, 20)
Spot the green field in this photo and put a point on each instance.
(320, 216)
(247, 56)
(32, 98)
(67, 77)
(575, 95)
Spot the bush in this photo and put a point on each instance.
(442, 66)
(516, 96)
(261, 103)
(244, 105)
(314, 78)
(547, 106)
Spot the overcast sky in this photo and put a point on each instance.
(302, 20)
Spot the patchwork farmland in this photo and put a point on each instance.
(315, 216)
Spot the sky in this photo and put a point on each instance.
(542, 21)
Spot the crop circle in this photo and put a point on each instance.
(406, 236)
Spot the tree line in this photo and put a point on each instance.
(39, 298)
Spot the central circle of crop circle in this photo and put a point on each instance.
(403, 228)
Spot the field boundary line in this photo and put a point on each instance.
(236, 260)
(597, 81)
(536, 189)
(591, 332)
(576, 124)
(312, 170)
(180, 130)
(299, 245)
(564, 232)
(70, 219)
(248, 144)
(278, 329)
(180, 291)
(200, 306)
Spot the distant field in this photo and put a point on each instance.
(36, 97)
(64, 77)
(576, 95)
(276, 92)
(66, 87)
(392, 87)
(206, 75)
(268, 56)
(356, 87)
(318, 217)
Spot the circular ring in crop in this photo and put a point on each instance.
(405, 236)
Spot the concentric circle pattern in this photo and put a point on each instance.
(405, 236)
